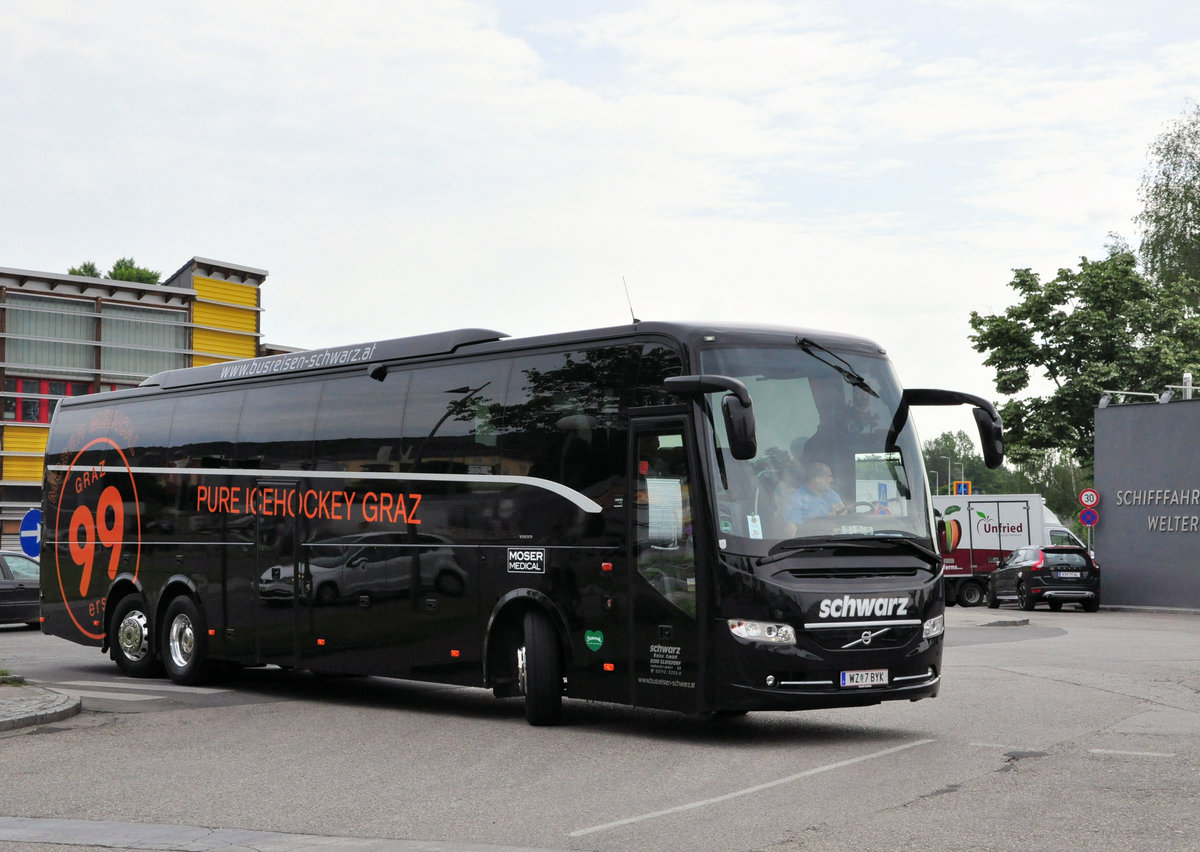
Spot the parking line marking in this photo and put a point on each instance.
(841, 764)
(149, 686)
(1132, 753)
(114, 696)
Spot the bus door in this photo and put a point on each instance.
(663, 599)
(278, 574)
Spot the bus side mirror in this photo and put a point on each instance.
(991, 436)
(736, 408)
(991, 427)
(739, 425)
(945, 547)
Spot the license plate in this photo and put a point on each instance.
(1070, 575)
(867, 677)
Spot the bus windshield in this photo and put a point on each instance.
(826, 467)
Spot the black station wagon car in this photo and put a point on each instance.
(1056, 575)
(19, 589)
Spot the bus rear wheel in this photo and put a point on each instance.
(184, 642)
(129, 638)
(539, 671)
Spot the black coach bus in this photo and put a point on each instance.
(704, 518)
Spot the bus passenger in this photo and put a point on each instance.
(814, 499)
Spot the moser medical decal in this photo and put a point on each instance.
(106, 505)
(527, 560)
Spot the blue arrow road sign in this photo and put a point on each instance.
(31, 533)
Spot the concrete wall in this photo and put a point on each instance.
(1148, 475)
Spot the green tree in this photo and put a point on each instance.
(86, 268)
(1103, 327)
(951, 449)
(125, 269)
(1170, 196)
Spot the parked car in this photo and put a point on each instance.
(20, 585)
(1056, 575)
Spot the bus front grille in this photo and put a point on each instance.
(859, 638)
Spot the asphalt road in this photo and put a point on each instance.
(1071, 731)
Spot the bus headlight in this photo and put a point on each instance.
(761, 631)
(935, 626)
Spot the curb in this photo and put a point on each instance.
(22, 706)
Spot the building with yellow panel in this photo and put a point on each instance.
(64, 335)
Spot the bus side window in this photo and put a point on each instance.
(448, 422)
(358, 422)
(655, 364)
(561, 416)
(202, 429)
(276, 429)
(146, 445)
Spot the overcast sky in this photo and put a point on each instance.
(406, 167)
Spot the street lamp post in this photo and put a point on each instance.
(937, 481)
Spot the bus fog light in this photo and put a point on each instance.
(935, 626)
(761, 631)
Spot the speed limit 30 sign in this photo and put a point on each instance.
(1089, 497)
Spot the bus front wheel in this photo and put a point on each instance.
(129, 638)
(184, 642)
(539, 671)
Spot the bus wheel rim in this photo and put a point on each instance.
(182, 640)
(133, 635)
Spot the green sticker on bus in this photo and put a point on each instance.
(594, 639)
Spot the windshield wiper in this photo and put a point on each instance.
(789, 546)
(851, 377)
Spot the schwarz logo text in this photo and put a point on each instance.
(848, 607)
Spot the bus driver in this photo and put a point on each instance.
(814, 499)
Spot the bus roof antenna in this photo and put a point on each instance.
(629, 301)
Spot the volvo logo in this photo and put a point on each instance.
(866, 638)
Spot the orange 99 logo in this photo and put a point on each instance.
(95, 535)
